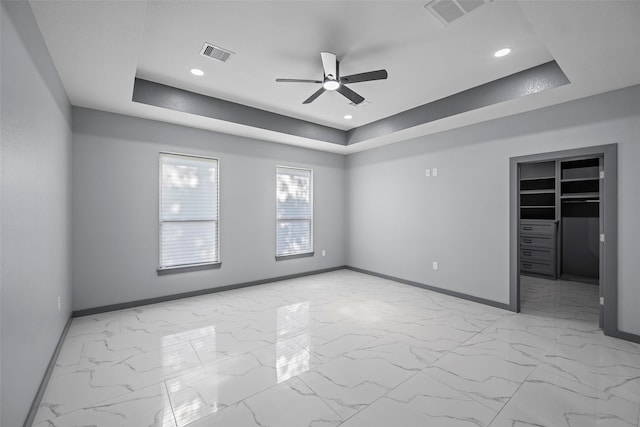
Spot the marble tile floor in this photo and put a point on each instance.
(559, 298)
(344, 349)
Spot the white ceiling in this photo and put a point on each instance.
(99, 47)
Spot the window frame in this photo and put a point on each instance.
(163, 270)
(311, 220)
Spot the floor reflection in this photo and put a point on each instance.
(191, 407)
(291, 358)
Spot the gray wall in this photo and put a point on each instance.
(378, 205)
(115, 208)
(461, 217)
(34, 226)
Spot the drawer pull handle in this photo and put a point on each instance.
(527, 228)
(526, 240)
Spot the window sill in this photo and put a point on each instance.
(284, 257)
(188, 268)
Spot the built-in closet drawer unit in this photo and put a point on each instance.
(545, 268)
(546, 228)
(537, 254)
(538, 247)
(537, 241)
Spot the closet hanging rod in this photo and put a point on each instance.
(581, 201)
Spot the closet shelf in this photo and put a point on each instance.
(538, 207)
(538, 178)
(581, 196)
(583, 200)
(537, 191)
(595, 178)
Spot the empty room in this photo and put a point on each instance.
(320, 213)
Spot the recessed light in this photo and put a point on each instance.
(197, 72)
(502, 52)
(348, 117)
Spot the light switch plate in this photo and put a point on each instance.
(427, 172)
(434, 172)
(435, 265)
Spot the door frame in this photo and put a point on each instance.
(608, 276)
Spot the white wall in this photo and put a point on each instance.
(34, 226)
(461, 217)
(115, 208)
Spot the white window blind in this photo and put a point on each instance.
(294, 211)
(188, 210)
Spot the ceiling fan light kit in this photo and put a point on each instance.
(333, 82)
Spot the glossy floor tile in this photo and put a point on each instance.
(550, 400)
(346, 349)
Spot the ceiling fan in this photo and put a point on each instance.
(333, 81)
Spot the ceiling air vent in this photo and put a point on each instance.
(215, 52)
(448, 11)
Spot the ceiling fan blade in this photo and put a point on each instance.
(351, 95)
(329, 64)
(313, 97)
(364, 77)
(298, 81)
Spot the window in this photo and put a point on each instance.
(188, 211)
(294, 212)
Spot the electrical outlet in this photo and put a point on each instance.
(324, 253)
(59, 303)
(435, 265)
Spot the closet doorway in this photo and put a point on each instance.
(563, 235)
